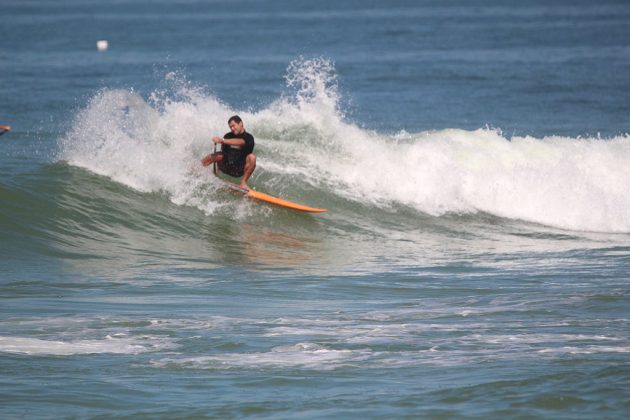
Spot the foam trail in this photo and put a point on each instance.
(304, 138)
(300, 355)
(114, 345)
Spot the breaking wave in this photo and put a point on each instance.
(304, 140)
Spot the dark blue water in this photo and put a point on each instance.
(473, 156)
(525, 67)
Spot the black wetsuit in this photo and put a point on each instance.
(233, 162)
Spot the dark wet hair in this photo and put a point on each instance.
(235, 118)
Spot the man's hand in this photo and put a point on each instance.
(207, 160)
(217, 140)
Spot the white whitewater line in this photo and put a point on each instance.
(113, 345)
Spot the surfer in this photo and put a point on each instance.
(236, 157)
(4, 129)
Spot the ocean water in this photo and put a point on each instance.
(474, 157)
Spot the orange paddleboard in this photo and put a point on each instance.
(271, 199)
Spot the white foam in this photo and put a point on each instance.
(326, 342)
(82, 335)
(534, 339)
(148, 147)
(300, 355)
(108, 344)
(585, 350)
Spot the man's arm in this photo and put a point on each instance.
(229, 142)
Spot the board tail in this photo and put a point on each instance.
(284, 203)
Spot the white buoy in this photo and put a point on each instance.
(102, 45)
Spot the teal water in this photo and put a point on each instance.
(473, 263)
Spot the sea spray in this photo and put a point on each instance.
(151, 146)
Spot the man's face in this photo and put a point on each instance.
(236, 128)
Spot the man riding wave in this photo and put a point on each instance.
(236, 157)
